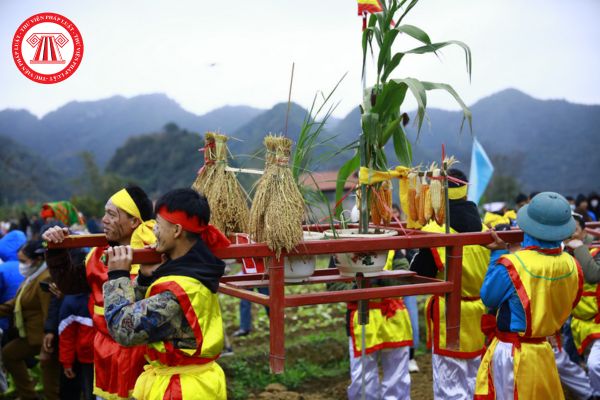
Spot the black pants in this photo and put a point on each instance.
(82, 383)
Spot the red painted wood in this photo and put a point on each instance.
(369, 245)
(276, 315)
(454, 265)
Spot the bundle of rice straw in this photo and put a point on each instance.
(202, 182)
(226, 197)
(278, 206)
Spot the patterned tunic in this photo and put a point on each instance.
(134, 320)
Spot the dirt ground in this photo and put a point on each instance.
(335, 388)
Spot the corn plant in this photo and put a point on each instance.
(382, 114)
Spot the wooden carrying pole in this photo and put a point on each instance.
(140, 256)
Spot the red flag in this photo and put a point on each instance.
(369, 6)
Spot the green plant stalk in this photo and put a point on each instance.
(364, 201)
(382, 107)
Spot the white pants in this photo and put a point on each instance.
(454, 378)
(572, 375)
(396, 379)
(593, 364)
(503, 371)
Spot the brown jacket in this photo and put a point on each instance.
(34, 305)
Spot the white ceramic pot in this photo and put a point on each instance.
(299, 269)
(368, 264)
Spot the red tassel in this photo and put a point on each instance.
(364, 26)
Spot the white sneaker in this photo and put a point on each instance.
(412, 366)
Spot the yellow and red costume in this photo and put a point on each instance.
(116, 368)
(475, 262)
(521, 364)
(176, 373)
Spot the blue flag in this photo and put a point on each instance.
(481, 172)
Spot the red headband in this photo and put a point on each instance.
(214, 238)
(190, 224)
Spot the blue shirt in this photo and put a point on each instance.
(10, 280)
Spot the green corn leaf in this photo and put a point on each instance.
(402, 146)
(370, 127)
(444, 86)
(390, 99)
(408, 8)
(366, 43)
(391, 65)
(389, 129)
(386, 49)
(434, 47)
(418, 91)
(345, 171)
(414, 32)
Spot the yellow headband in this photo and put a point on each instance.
(123, 200)
(143, 234)
(456, 193)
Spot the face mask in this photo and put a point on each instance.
(26, 269)
(594, 203)
(572, 207)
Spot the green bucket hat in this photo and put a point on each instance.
(547, 217)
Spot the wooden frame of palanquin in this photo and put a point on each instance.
(409, 283)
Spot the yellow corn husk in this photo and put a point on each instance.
(387, 197)
(374, 209)
(422, 194)
(440, 216)
(403, 194)
(382, 204)
(413, 214)
(435, 188)
(428, 211)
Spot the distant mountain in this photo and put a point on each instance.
(27, 176)
(349, 127)
(177, 153)
(544, 144)
(248, 138)
(102, 126)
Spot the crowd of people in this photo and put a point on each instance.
(89, 323)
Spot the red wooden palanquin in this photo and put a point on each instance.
(408, 282)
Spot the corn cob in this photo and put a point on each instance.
(435, 188)
(412, 197)
(386, 206)
(381, 204)
(412, 194)
(419, 201)
(422, 195)
(428, 212)
(375, 216)
(403, 194)
(440, 216)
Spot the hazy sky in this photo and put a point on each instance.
(205, 54)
